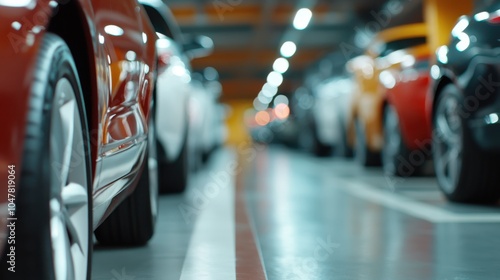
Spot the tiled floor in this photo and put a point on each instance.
(291, 216)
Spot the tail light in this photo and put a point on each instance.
(494, 19)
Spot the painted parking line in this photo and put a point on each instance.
(211, 252)
(411, 207)
(223, 243)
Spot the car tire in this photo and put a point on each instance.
(465, 173)
(395, 154)
(342, 149)
(173, 176)
(318, 148)
(133, 222)
(362, 153)
(53, 202)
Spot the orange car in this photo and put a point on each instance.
(365, 129)
(76, 98)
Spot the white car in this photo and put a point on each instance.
(174, 89)
(204, 117)
(333, 99)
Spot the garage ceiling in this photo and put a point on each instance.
(248, 34)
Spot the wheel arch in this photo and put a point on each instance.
(438, 89)
(80, 42)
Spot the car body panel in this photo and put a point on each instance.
(409, 98)
(333, 101)
(471, 62)
(120, 94)
(173, 89)
(386, 54)
(19, 53)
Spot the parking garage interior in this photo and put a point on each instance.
(253, 140)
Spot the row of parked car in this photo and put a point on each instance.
(101, 112)
(406, 107)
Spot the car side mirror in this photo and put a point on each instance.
(198, 46)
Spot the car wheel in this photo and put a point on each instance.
(318, 148)
(173, 176)
(342, 149)
(395, 154)
(53, 211)
(362, 153)
(465, 173)
(132, 223)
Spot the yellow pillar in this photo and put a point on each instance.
(440, 17)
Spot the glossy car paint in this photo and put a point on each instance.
(174, 76)
(472, 63)
(173, 88)
(408, 97)
(370, 95)
(333, 101)
(116, 63)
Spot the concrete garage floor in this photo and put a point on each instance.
(285, 215)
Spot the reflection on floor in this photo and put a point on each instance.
(285, 215)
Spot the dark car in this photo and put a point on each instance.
(466, 108)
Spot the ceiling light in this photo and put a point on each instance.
(275, 79)
(288, 49)
(269, 90)
(281, 65)
(302, 19)
(281, 99)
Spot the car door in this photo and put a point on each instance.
(126, 54)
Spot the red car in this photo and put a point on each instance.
(407, 129)
(76, 100)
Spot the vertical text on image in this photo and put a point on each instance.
(11, 219)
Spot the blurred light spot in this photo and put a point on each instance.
(16, 25)
(288, 49)
(163, 43)
(464, 42)
(367, 70)
(281, 99)
(269, 90)
(408, 60)
(17, 3)
(144, 37)
(259, 106)
(37, 29)
(460, 26)
(131, 56)
(113, 30)
(275, 79)
(281, 65)
(442, 54)
(179, 70)
(30, 39)
(262, 118)
(206, 42)
(264, 99)
(482, 16)
(101, 39)
(492, 118)
(387, 79)
(282, 111)
(302, 19)
(211, 74)
(435, 72)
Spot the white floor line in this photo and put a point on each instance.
(411, 207)
(211, 252)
